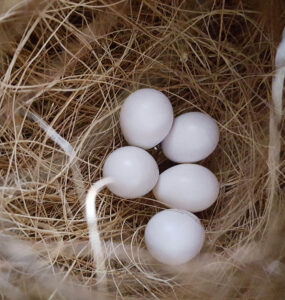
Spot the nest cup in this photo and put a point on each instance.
(66, 68)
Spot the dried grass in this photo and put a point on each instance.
(69, 65)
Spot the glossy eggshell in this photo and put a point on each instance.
(133, 170)
(174, 237)
(187, 186)
(193, 137)
(146, 118)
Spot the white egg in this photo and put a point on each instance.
(187, 186)
(146, 118)
(133, 170)
(173, 237)
(193, 137)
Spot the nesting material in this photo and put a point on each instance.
(65, 69)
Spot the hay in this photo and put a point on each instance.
(67, 66)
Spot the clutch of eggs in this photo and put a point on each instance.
(173, 236)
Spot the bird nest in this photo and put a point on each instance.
(66, 68)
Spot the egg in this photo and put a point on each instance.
(187, 186)
(146, 118)
(193, 137)
(174, 237)
(133, 170)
